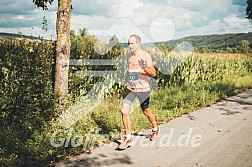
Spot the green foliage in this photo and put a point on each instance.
(83, 47)
(249, 9)
(42, 3)
(26, 85)
(44, 24)
(245, 46)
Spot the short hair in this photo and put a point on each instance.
(137, 37)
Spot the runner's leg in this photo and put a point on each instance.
(144, 98)
(128, 98)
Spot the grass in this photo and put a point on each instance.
(169, 103)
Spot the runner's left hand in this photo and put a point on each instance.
(142, 63)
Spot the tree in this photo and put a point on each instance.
(44, 24)
(83, 32)
(203, 50)
(229, 50)
(249, 9)
(62, 50)
(42, 3)
(162, 48)
(245, 46)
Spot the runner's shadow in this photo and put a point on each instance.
(115, 141)
(230, 112)
(225, 111)
(100, 160)
(193, 118)
(140, 134)
(241, 102)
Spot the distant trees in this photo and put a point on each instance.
(162, 48)
(203, 50)
(245, 46)
(230, 50)
(230, 43)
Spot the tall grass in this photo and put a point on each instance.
(207, 67)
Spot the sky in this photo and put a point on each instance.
(153, 20)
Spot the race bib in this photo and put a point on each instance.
(133, 77)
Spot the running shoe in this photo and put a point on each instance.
(154, 135)
(126, 143)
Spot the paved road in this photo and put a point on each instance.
(216, 136)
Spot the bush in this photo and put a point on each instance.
(26, 102)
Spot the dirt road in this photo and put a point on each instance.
(216, 136)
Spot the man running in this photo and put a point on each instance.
(140, 67)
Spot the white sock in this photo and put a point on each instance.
(155, 129)
(128, 136)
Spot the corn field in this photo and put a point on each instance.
(200, 68)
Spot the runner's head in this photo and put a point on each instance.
(134, 43)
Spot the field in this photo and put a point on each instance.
(27, 119)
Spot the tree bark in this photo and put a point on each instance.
(62, 55)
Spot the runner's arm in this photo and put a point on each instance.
(149, 71)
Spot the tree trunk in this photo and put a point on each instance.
(62, 54)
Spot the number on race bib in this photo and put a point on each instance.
(133, 77)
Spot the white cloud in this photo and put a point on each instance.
(234, 21)
(162, 29)
(125, 8)
(178, 17)
(235, 24)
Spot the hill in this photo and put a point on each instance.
(213, 42)
(14, 36)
